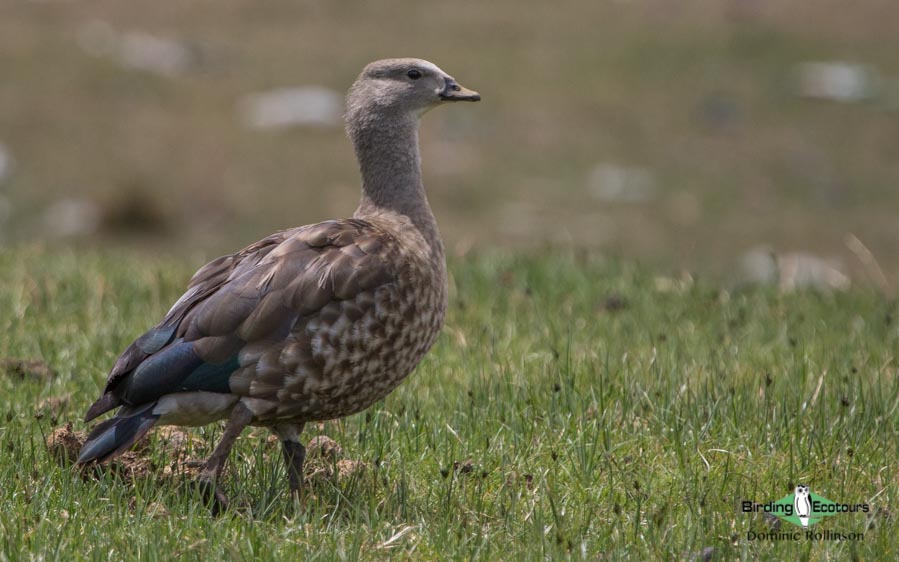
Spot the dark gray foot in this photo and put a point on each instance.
(212, 496)
(294, 458)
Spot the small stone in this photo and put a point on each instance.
(139, 50)
(347, 468)
(322, 446)
(800, 270)
(621, 184)
(129, 465)
(176, 440)
(64, 444)
(291, 107)
(6, 163)
(162, 55)
(837, 81)
(36, 369)
(793, 271)
(71, 216)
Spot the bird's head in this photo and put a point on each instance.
(403, 87)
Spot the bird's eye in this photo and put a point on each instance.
(414, 74)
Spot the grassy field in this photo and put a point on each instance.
(700, 97)
(573, 408)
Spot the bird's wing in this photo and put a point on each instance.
(255, 295)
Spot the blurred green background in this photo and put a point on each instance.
(696, 136)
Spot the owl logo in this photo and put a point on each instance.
(802, 504)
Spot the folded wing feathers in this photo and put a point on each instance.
(218, 349)
(272, 315)
(242, 306)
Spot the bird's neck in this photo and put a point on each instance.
(390, 161)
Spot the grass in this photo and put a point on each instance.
(573, 409)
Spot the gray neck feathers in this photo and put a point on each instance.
(386, 143)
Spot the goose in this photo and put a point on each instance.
(308, 324)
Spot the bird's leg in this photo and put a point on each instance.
(294, 453)
(294, 457)
(215, 464)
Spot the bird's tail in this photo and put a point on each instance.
(804, 521)
(113, 436)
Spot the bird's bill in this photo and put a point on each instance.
(453, 91)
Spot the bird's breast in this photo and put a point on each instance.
(352, 352)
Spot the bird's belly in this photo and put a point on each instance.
(350, 355)
(193, 408)
(358, 372)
